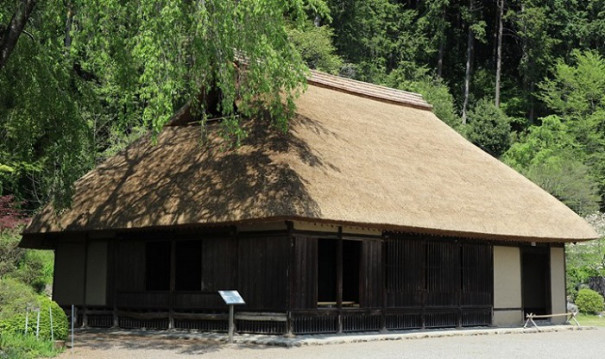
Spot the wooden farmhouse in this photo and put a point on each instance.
(369, 214)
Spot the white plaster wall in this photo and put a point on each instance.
(557, 282)
(507, 286)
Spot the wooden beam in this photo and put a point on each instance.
(339, 274)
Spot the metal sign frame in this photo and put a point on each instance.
(231, 298)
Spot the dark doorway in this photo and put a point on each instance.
(535, 278)
(157, 265)
(351, 258)
(188, 265)
(326, 272)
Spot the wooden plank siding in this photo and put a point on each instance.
(371, 275)
(263, 272)
(304, 273)
(437, 283)
(405, 281)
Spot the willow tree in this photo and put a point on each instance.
(82, 70)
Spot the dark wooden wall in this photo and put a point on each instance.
(263, 271)
(254, 264)
(303, 291)
(424, 272)
(371, 275)
(405, 281)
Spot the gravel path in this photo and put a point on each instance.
(566, 344)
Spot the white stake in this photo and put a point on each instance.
(38, 325)
(50, 315)
(26, 319)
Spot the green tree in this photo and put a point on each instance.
(575, 92)
(87, 70)
(531, 23)
(569, 180)
(488, 127)
(551, 157)
(377, 36)
(315, 46)
(432, 88)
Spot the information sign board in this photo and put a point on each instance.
(231, 297)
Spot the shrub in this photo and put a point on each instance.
(15, 297)
(18, 346)
(36, 269)
(10, 253)
(589, 301)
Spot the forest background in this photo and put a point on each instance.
(79, 80)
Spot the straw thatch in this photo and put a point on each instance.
(348, 158)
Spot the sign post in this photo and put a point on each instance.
(231, 298)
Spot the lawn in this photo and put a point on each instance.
(591, 320)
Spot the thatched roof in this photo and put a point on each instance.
(376, 159)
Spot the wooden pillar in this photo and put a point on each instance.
(84, 299)
(339, 279)
(114, 280)
(460, 273)
(424, 273)
(291, 288)
(172, 284)
(383, 266)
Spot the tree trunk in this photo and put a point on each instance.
(467, 77)
(499, 52)
(14, 29)
(441, 43)
(440, 59)
(68, 22)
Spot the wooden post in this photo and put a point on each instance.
(383, 256)
(291, 288)
(231, 323)
(339, 274)
(114, 281)
(84, 299)
(172, 284)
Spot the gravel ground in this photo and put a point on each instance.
(564, 344)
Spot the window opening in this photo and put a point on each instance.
(351, 259)
(157, 265)
(326, 272)
(188, 267)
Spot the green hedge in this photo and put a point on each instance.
(589, 301)
(15, 297)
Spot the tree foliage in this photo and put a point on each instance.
(87, 71)
(489, 128)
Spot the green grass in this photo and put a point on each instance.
(591, 320)
(17, 346)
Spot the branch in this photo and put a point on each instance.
(14, 29)
(29, 34)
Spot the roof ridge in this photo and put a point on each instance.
(369, 90)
